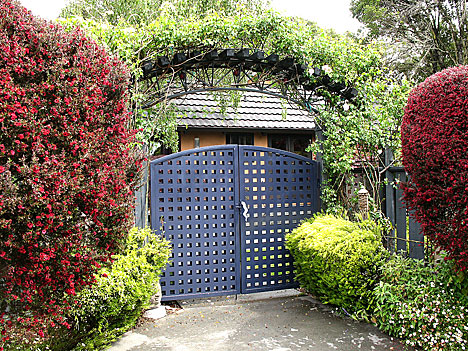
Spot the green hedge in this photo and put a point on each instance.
(111, 306)
(425, 304)
(337, 260)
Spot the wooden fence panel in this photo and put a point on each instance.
(406, 237)
(416, 237)
(400, 216)
(141, 200)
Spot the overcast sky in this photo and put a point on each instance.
(326, 13)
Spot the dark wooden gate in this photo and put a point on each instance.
(226, 210)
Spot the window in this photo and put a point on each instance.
(296, 143)
(240, 138)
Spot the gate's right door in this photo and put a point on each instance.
(277, 190)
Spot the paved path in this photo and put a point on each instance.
(271, 324)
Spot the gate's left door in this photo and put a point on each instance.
(193, 201)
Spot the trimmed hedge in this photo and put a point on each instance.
(434, 136)
(113, 305)
(67, 169)
(338, 260)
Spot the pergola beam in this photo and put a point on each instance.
(207, 70)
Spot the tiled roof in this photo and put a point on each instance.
(255, 111)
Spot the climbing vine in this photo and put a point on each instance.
(356, 138)
(360, 130)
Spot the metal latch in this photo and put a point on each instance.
(246, 211)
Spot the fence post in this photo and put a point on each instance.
(406, 234)
(416, 245)
(141, 196)
(416, 237)
(321, 177)
(390, 199)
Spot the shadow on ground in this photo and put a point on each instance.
(274, 323)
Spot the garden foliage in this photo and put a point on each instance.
(338, 260)
(142, 12)
(357, 138)
(67, 171)
(424, 36)
(113, 304)
(424, 304)
(352, 131)
(434, 147)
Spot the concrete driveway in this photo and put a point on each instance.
(280, 321)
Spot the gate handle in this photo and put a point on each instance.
(246, 211)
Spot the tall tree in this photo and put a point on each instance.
(135, 19)
(427, 35)
(138, 12)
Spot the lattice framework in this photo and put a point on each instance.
(196, 70)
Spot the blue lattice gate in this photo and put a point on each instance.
(226, 210)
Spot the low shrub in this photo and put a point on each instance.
(338, 260)
(427, 305)
(112, 306)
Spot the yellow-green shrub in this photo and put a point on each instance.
(112, 305)
(338, 260)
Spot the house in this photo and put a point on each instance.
(260, 120)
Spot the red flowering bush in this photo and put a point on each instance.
(435, 153)
(66, 167)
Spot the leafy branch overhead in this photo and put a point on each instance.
(368, 126)
(143, 12)
(346, 60)
(425, 36)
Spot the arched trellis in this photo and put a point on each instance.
(206, 70)
(196, 70)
